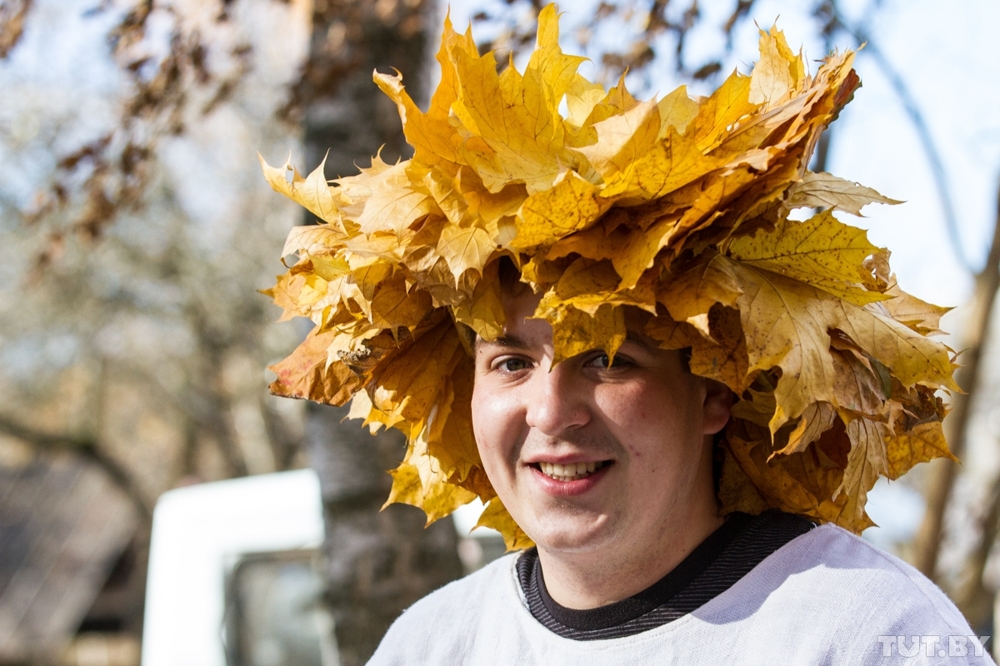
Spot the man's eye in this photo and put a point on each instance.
(512, 364)
(603, 361)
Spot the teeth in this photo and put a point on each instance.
(571, 471)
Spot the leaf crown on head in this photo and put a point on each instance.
(678, 207)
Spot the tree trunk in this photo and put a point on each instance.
(943, 472)
(342, 110)
(377, 563)
(972, 596)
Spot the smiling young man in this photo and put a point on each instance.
(597, 316)
(606, 464)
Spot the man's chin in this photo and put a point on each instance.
(570, 535)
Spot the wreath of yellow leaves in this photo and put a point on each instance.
(679, 207)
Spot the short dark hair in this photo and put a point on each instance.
(510, 277)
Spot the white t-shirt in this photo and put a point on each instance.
(826, 597)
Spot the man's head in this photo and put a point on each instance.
(594, 452)
(604, 206)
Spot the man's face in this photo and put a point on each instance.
(586, 456)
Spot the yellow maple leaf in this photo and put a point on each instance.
(690, 295)
(922, 317)
(786, 323)
(721, 111)
(517, 132)
(420, 482)
(453, 445)
(923, 443)
(677, 109)
(394, 203)
(429, 133)
(465, 248)
(483, 311)
(408, 384)
(778, 72)
(394, 306)
(672, 162)
(495, 517)
(581, 98)
(442, 185)
(575, 331)
(723, 356)
(313, 239)
(623, 139)
(820, 251)
(312, 192)
(571, 204)
(285, 294)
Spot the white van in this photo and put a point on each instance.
(235, 573)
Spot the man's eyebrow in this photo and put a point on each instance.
(640, 340)
(510, 341)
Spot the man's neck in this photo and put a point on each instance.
(595, 578)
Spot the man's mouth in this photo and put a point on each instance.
(570, 471)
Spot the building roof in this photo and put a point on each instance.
(63, 525)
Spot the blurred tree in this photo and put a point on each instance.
(378, 563)
(130, 331)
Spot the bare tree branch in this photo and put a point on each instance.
(942, 480)
(12, 15)
(934, 160)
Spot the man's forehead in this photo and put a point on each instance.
(521, 330)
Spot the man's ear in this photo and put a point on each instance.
(717, 406)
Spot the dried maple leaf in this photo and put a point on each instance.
(822, 190)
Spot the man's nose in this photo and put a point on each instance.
(556, 400)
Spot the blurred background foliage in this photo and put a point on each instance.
(137, 229)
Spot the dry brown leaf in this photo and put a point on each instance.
(922, 317)
(923, 443)
(778, 72)
(817, 419)
(724, 358)
(823, 190)
(308, 374)
(868, 460)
